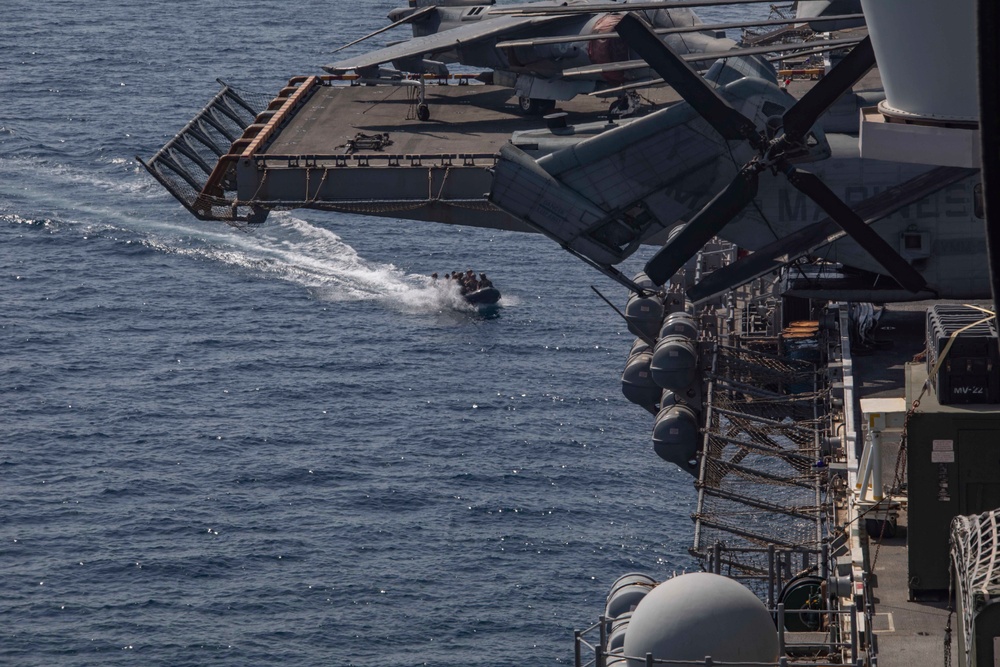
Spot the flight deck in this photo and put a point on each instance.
(331, 144)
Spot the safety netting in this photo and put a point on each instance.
(761, 484)
(187, 162)
(974, 555)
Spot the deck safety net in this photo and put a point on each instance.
(186, 163)
(762, 480)
(975, 558)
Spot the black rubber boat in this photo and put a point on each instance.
(486, 296)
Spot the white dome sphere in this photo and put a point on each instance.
(701, 614)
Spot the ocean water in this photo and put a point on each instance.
(284, 447)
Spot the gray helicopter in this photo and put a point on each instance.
(545, 51)
(742, 159)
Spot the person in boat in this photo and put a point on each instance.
(434, 276)
(484, 282)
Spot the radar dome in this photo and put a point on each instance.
(701, 614)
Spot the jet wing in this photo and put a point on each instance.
(629, 65)
(419, 47)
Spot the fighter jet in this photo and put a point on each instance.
(543, 57)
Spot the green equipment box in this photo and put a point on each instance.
(953, 468)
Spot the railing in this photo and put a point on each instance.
(779, 565)
(846, 644)
(269, 161)
(184, 166)
(843, 614)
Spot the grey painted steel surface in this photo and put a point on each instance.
(953, 464)
(926, 50)
(681, 620)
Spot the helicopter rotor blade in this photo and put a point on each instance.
(707, 223)
(697, 92)
(804, 113)
(806, 240)
(732, 125)
(813, 187)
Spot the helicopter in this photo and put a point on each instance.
(729, 161)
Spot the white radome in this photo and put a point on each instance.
(701, 614)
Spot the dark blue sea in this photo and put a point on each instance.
(284, 447)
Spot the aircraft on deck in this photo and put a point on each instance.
(740, 158)
(727, 162)
(561, 50)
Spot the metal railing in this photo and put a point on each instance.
(779, 565)
(845, 645)
(273, 161)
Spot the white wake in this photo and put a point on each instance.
(286, 247)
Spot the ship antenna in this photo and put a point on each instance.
(650, 341)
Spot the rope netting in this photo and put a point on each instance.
(762, 474)
(765, 371)
(974, 554)
(186, 162)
